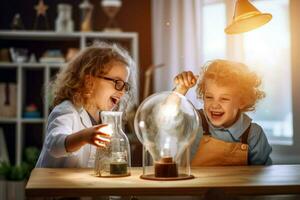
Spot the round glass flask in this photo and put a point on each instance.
(166, 123)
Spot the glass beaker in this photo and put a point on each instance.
(114, 160)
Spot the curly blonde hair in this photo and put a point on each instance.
(95, 60)
(233, 74)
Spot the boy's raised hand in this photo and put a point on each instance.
(184, 81)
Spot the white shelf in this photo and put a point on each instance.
(31, 65)
(33, 120)
(8, 120)
(23, 120)
(46, 35)
(80, 39)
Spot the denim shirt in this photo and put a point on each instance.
(259, 147)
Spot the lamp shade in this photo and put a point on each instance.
(246, 18)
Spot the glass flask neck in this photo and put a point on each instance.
(114, 119)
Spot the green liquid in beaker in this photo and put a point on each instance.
(118, 168)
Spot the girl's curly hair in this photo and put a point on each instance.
(232, 74)
(70, 82)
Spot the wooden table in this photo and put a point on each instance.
(247, 180)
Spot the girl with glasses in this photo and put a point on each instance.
(100, 78)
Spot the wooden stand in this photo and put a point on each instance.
(166, 168)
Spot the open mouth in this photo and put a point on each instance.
(216, 115)
(114, 100)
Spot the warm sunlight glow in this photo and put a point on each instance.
(107, 129)
(270, 56)
(213, 34)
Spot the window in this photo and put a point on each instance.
(214, 39)
(271, 57)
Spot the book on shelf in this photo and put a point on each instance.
(52, 56)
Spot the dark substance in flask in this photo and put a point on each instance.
(118, 168)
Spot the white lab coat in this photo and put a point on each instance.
(64, 120)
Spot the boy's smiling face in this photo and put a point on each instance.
(221, 103)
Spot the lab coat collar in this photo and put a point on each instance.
(84, 116)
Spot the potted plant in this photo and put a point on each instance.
(15, 180)
(16, 175)
(3, 169)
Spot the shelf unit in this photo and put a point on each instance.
(31, 78)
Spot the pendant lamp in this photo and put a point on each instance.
(246, 18)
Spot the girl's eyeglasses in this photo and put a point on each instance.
(119, 84)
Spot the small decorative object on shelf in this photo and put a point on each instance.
(31, 111)
(86, 12)
(32, 58)
(41, 21)
(52, 56)
(18, 55)
(111, 8)
(8, 100)
(4, 55)
(17, 23)
(3, 148)
(71, 53)
(64, 22)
